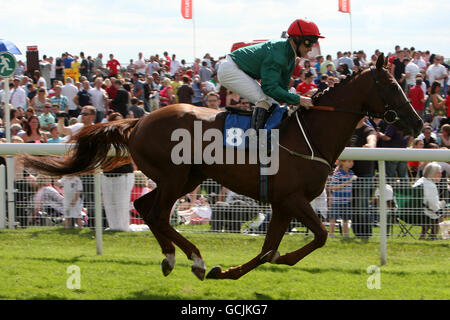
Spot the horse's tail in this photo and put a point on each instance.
(92, 145)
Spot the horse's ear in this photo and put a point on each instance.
(380, 61)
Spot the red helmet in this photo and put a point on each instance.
(303, 28)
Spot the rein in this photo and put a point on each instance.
(304, 156)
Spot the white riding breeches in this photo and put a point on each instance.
(236, 80)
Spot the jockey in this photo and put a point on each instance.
(273, 63)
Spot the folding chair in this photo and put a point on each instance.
(409, 203)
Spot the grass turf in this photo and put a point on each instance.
(34, 264)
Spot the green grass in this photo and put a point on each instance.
(34, 262)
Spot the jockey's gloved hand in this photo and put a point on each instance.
(306, 102)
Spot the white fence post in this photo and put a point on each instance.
(2, 198)
(98, 214)
(383, 211)
(10, 183)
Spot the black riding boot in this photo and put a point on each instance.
(258, 118)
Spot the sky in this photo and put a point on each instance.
(125, 28)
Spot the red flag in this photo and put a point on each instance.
(344, 6)
(186, 9)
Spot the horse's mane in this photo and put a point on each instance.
(318, 98)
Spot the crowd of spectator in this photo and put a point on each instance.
(50, 106)
(147, 84)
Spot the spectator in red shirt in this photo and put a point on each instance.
(415, 167)
(447, 104)
(298, 68)
(306, 88)
(391, 64)
(111, 90)
(167, 58)
(417, 97)
(142, 186)
(112, 66)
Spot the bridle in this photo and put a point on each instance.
(389, 115)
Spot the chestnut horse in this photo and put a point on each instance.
(373, 92)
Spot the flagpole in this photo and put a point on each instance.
(187, 11)
(344, 7)
(351, 33)
(193, 31)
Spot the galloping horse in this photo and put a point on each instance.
(372, 92)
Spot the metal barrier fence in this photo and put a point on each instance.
(215, 212)
(353, 212)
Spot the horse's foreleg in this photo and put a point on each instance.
(303, 211)
(277, 228)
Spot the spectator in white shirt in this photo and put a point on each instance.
(152, 66)
(70, 91)
(52, 71)
(87, 119)
(174, 65)
(437, 72)
(433, 206)
(39, 80)
(418, 60)
(139, 65)
(411, 71)
(99, 98)
(18, 96)
(2, 92)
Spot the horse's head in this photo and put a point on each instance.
(389, 102)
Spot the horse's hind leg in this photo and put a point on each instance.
(303, 211)
(144, 206)
(160, 223)
(277, 228)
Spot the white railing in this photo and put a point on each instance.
(373, 154)
(385, 154)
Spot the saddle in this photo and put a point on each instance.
(244, 112)
(239, 120)
(239, 111)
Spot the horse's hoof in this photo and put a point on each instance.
(198, 268)
(199, 272)
(270, 256)
(214, 272)
(166, 267)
